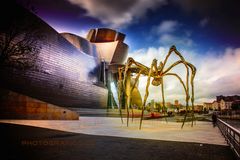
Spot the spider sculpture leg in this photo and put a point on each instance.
(180, 79)
(173, 49)
(132, 112)
(120, 92)
(120, 97)
(193, 68)
(132, 88)
(147, 92)
(126, 83)
(163, 98)
(193, 72)
(128, 94)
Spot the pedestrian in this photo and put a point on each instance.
(214, 119)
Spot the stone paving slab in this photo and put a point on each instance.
(202, 132)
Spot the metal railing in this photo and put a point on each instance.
(231, 135)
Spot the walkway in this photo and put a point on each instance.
(202, 132)
(103, 138)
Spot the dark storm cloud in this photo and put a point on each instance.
(197, 5)
(54, 9)
(222, 14)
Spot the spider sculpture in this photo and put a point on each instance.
(157, 73)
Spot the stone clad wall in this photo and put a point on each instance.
(17, 106)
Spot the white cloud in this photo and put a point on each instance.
(170, 39)
(219, 74)
(166, 31)
(117, 13)
(166, 26)
(215, 74)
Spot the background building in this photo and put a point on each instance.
(222, 103)
(225, 102)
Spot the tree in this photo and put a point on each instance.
(20, 38)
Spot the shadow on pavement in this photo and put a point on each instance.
(26, 142)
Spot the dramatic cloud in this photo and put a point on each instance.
(219, 74)
(215, 74)
(204, 22)
(166, 26)
(221, 13)
(167, 32)
(117, 13)
(169, 39)
(198, 6)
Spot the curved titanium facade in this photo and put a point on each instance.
(110, 45)
(81, 43)
(62, 74)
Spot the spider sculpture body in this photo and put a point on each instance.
(156, 73)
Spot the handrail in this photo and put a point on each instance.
(232, 136)
(234, 129)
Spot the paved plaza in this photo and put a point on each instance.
(201, 132)
(105, 138)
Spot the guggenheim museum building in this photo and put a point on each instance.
(62, 69)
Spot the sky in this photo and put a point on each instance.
(207, 33)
